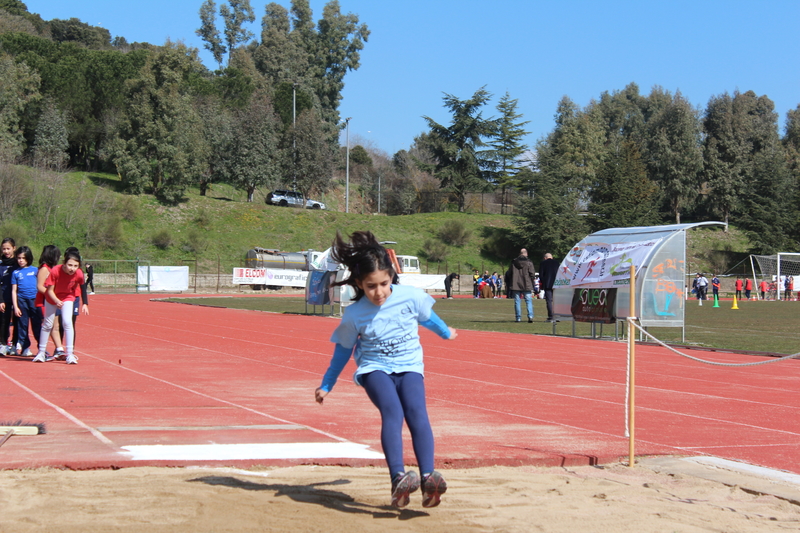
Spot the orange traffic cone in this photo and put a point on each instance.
(735, 306)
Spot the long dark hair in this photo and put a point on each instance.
(362, 256)
(50, 256)
(24, 250)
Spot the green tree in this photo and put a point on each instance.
(19, 87)
(455, 147)
(549, 221)
(51, 142)
(160, 146)
(235, 16)
(725, 154)
(507, 148)
(314, 60)
(768, 211)
(311, 168)
(73, 30)
(220, 134)
(253, 158)
(673, 150)
(208, 31)
(625, 196)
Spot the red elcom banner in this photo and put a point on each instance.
(594, 305)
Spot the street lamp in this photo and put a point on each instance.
(347, 169)
(294, 136)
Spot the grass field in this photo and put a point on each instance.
(755, 326)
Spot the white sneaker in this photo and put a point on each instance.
(28, 352)
(72, 359)
(91, 293)
(40, 358)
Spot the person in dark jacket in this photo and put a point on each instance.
(548, 270)
(8, 319)
(521, 284)
(448, 284)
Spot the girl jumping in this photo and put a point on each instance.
(63, 286)
(381, 331)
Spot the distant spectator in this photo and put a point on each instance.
(748, 286)
(476, 279)
(548, 270)
(763, 287)
(715, 283)
(788, 287)
(739, 287)
(448, 284)
(521, 285)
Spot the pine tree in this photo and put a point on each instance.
(507, 148)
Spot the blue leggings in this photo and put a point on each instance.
(399, 396)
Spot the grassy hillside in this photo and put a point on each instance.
(90, 211)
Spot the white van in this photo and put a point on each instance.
(409, 264)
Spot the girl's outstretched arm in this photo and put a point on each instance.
(340, 357)
(437, 325)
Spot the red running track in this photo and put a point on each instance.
(189, 385)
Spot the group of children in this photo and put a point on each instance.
(487, 286)
(42, 300)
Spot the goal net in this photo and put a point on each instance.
(780, 272)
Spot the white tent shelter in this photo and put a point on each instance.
(593, 282)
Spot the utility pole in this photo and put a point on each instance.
(347, 169)
(294, 136)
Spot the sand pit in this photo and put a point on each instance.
(329, 499)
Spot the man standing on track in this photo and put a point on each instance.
(522, 284)
(547, 275)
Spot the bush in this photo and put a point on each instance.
(454, 232)
(196, 241)
(162, 239)
(203, 218)
(434, 250)
(15, 231)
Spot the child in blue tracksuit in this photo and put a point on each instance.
(381, 331)
(23, 294)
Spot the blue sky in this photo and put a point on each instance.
(536, 50)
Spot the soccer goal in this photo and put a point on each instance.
(779, 271)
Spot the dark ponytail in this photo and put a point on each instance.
(362, 256)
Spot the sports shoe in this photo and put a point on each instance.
(530, 320)
(41, 358)
(72, 359)
(60, 354)
(28, 352)
(433, 486)
(403, 484)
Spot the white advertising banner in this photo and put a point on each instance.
(429, 282)
(603, 264)
(277, 277)
(164, 278)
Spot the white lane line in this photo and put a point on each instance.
(620, 404)
(102, 438)
(219, 400)
(233, 452)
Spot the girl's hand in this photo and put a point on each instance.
(453, 334)
(17, 311)
(85, 309)
(320, 394)
(59, 304)
(2, 307)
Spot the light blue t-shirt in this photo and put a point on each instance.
(387, 335)
(25, 280)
